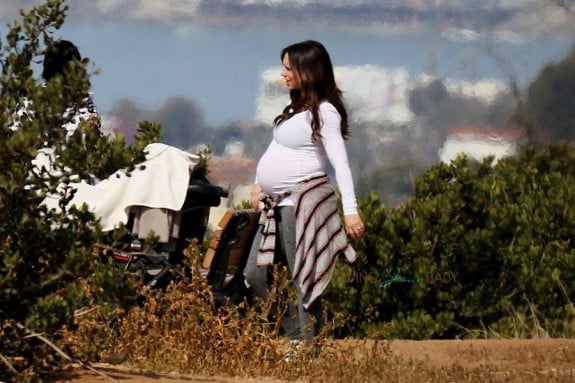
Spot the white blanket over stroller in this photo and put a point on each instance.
(163, 183)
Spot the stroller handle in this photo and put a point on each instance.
(208, 189)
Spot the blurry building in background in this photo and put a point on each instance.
(478, 142)
(372, 93)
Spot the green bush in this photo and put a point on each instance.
(45, 256)
(481, 249)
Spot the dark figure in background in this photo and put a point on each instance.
(56, 64)
(57, 59)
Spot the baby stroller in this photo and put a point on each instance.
(162, 263)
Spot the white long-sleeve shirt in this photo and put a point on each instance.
(292, 156)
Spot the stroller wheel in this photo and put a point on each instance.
(140, 299)
(112, 321)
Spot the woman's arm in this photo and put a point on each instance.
(336, 152)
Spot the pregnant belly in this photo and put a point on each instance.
(281, 168)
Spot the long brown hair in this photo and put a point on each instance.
(311, 63)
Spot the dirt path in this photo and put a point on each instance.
(502, 355)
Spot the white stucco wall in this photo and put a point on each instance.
(476, 147)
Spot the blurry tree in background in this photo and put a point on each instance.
(256, 140)
(219, 138)
(182, 120)
(363, 144)
(423, 101)
(393, 180)
(550, 103)
(129, 115)
(437, 111)
(45, 255)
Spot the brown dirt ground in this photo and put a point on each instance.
(503, 355)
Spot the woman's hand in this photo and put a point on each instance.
(255, 196)
(354, 226)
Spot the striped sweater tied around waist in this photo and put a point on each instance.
(320, 236)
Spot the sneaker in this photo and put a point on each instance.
(293, 351)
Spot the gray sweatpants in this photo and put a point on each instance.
(297, 323)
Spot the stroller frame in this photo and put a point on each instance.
(223, 262)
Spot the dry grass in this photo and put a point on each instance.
(182, 331)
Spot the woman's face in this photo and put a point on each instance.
(289, 76)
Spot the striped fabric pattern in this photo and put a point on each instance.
(320, 237)
(266, 250)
